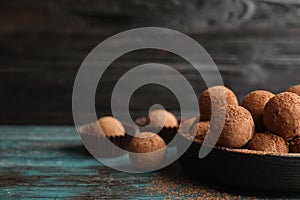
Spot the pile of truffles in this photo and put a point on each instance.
(263, 122)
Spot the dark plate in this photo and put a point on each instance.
(244, 169)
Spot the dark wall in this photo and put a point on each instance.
(255, 43)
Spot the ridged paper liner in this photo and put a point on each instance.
(98, 147)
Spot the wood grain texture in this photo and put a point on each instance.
(50, 162)
(42, 44)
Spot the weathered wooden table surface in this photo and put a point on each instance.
(50, 162)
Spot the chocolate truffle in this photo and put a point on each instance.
(110, 126)
(95, 134)
(294, 145)
(214, 95)
(199, 130)
(255, 103)
(237, 129)
(187, 125)
(269, 143)
(294, 89)
(147, 151)
(282, 115)
(162, 118)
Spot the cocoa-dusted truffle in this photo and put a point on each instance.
(255, 103)
(110, 126)
(214, 95)
(95, 134)
(294, 145)
(238, 126)
(187, 125)
(199, 130)
(269, 143)
(294, 89)
(150, 143)
(162, 118)
(282, 115)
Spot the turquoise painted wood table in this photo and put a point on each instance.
(50, 162)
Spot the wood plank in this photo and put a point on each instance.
(50, 162)
(254, 42)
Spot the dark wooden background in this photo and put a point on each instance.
(255, 43)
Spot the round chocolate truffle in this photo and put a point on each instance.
(110, 126)
(162, 118)
(237, 129)
(282, 115)
(294, 145)
(187, 125)
(268, 142)
(255, 103)
(199, 130)
(294, 89)
(147, 151)
(214, 95)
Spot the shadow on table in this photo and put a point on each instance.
(75, 149)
